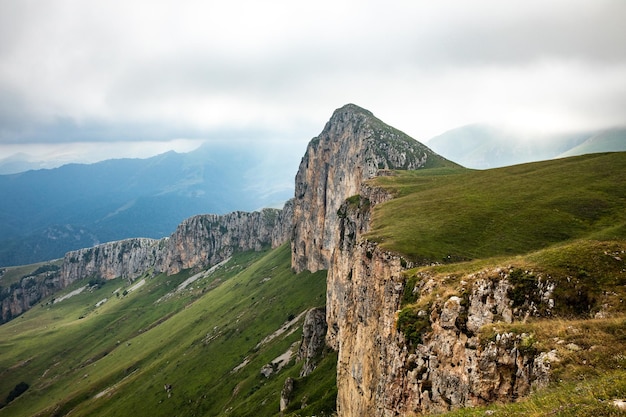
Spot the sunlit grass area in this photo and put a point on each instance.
(449, 215)
(204, 342)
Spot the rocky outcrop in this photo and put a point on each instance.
(313, 340)
(198, 242)
(286, 393)
(352, 148)
(208, 239)
(394, 361)
(128, 258)
(28, 291)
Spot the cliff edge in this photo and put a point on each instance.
(353, 147)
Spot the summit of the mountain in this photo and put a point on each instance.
(353, 147)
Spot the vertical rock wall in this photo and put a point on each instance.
(209, 239)
(26, 293)
(198, 242)
(381, 373)
(352, 148)
(125, 258)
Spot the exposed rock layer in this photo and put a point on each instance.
(380, 372)
(313, 339)
(27, 292)
(198, 242)
(125, 258)
(209, 239)
(352, 148)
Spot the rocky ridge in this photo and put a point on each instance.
(384, 370)
(206, 240)
(353, 147)
(28, 291)
(127, 258)
(391, 360)
(439, 362)
(198, 242)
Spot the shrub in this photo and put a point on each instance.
(408, 296)
(412, 325)
(524, 289)
(18, 390)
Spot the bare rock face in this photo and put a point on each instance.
(198, 242)
(282, 228)
(209, 239)
(352, 148)
(285, 394)
(125, 258)
(27, 292)
(382, 373)
(313, 339)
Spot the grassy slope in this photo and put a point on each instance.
(13, 274)
(445, 215)
(126, 350)
(563, 220)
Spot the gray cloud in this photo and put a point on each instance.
(101, 71)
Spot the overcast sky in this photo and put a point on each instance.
(164, 73)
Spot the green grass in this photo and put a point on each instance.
(450, 215)
(586, 378)
(12, 274)
(116, 359)
(563, 220)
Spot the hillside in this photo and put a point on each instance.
(50, 212)
(482, 287)
(611, 140)
(452, 215)
(110, 350)
(497, 291)
(353, 147)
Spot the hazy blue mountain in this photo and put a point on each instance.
(611, 140)
(45, 213)
(17, 163)
(482, 146)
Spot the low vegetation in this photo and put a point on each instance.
(555, 224)
(155, 351)
(119, 349)
(447, 215)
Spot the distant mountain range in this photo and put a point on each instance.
(45, 213)
(482, 146)
(438, 288)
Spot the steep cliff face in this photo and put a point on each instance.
(125, 258)
(209, 239)
(313, 339)
(399, 362)
(27, 292)
(199, 241)
(352, 148)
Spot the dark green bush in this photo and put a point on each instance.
(412, 325)
(18, 390)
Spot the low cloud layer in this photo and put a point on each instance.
(161, 70)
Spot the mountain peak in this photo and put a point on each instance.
(353, 147)
(351, 109)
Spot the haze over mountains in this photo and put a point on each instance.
(481, 146)
(51, 211)
(437, 288)
(45, 213)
